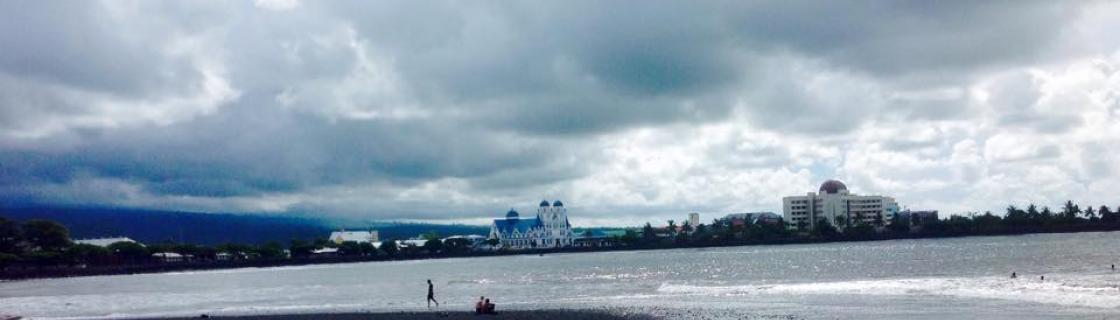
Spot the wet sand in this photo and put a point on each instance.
(434, 315)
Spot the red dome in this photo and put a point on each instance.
(832, 187)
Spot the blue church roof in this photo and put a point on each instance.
(521, 225)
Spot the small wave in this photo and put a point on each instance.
(1084, 291)
(479, 281)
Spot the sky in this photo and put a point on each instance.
(627, 111)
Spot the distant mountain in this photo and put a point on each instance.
(150, 226)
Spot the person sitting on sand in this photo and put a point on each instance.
(489, 308)
(480, 306)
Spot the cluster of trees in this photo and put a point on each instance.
(44, 243)
(1030, 219)
(719, 232)
(40, 243)
(35, 240)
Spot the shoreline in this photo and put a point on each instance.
(59, 273)
(548, 314)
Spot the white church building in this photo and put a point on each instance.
(549, 229)
(834, 204)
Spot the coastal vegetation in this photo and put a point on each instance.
(43, 248)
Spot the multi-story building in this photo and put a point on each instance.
(834, 205)
(693, 219)
(737, 219)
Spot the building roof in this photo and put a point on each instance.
(752, 216)
(412, 242)
(521, 225)
(468, 237)
(324, 250)
(103, 242)
(832, 187)
(557, 203)
(544, 203)
(356, 236)
(512, 214)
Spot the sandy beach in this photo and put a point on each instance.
(518, 314)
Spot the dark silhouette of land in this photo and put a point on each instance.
(41, 248)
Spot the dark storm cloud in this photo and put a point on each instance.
(235, 101)
(282, 152)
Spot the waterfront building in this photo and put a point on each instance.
(105, 242)
(738, 219)
(598, 239)
(474, 241)
(835, 205)
(338, 237)
(549, 229)
(168, 257)
(694, 219)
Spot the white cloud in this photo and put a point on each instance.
(371, 111)
(276, 5)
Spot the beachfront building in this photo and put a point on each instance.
(549, 229)
(833, 204)
(473, 241)
(598, 239)
(746, 218)
(693, 219)
(169, 257)
(338, 237)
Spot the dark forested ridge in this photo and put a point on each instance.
(151, 226)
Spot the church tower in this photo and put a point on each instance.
(561, 231)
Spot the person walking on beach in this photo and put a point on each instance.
(431, 295)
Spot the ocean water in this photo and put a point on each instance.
(960, 278)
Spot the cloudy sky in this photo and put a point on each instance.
(626, 111)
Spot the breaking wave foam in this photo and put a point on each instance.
(1091, 291)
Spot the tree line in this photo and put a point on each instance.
(47, 244)
(40, 243)
(1031, 219)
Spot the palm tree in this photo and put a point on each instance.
(1071, 210)
(647, 232)
(1107, 215)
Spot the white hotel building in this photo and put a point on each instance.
(841, 209)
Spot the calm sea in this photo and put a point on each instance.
(902, 279)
